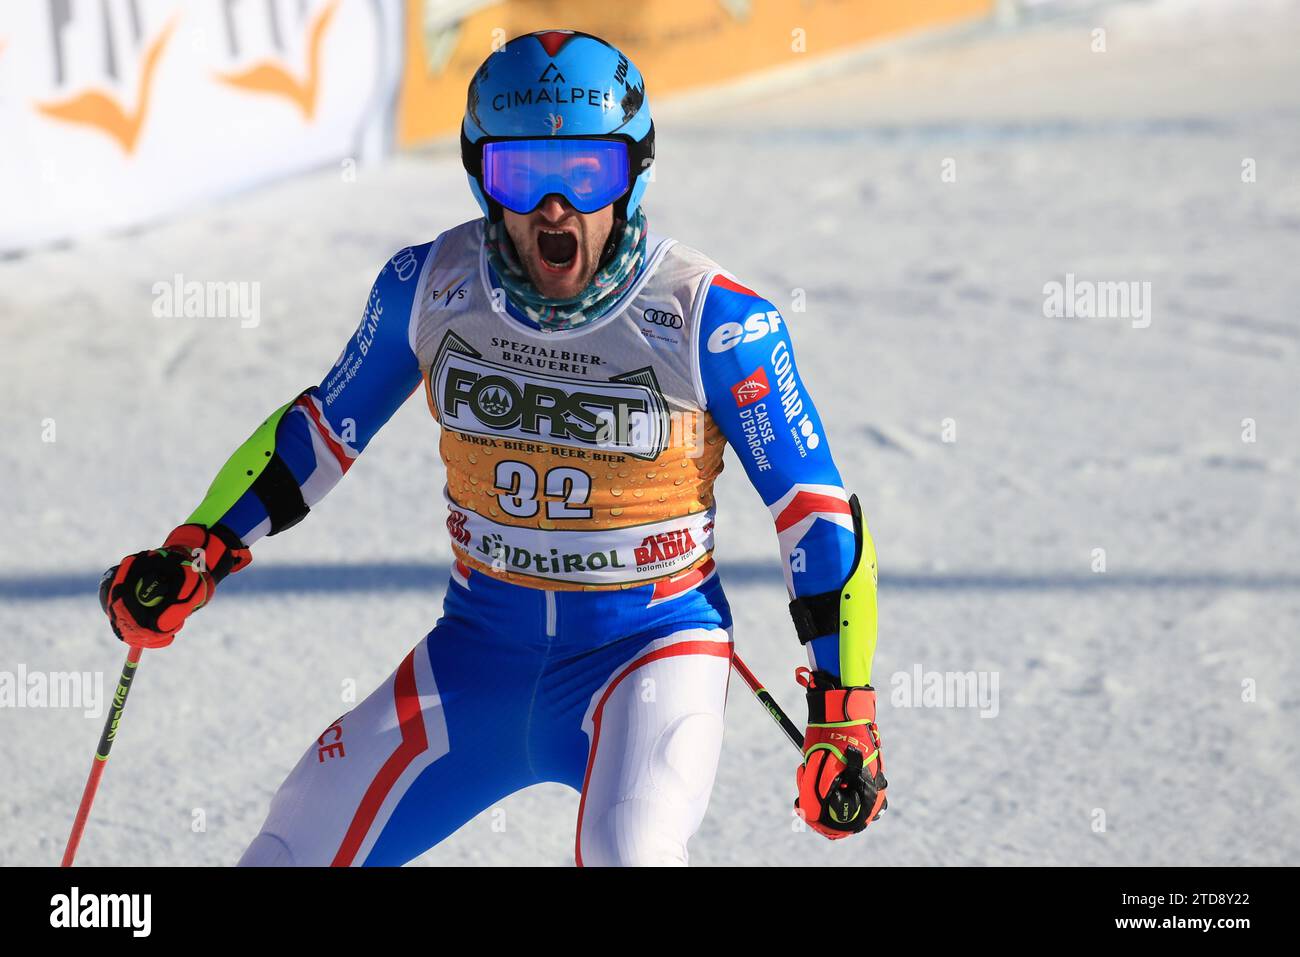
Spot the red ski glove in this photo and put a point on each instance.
(150, 594)
(842, 779)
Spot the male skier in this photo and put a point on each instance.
(585, 375)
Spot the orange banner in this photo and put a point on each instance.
(677, 44)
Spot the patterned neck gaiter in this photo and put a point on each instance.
(609, 283)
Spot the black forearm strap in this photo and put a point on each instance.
(816, 615)
(233, 544)
(279, 492)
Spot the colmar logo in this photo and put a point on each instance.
(751, 388)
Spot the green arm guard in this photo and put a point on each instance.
(849, 610)
(858, 608)
(240, 472)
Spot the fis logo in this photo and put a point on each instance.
(731, 334)
(454, 291)
(751, 388)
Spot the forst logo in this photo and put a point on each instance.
(627, 412)
(537, 408)
(664, 547)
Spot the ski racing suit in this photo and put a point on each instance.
(585, 637)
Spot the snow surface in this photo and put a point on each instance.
(1120, 691)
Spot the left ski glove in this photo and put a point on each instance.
(842, 779)
(150, 594)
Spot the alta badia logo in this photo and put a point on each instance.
(626, 413)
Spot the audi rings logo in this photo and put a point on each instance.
(661, 317)
(405, 263)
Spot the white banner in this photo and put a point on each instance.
(115, 112)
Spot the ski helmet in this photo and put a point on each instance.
(559, 85)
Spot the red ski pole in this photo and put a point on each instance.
(101, 753)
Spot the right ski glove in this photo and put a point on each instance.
(150, 594)
(842, 779)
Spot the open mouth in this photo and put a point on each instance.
(557, 248)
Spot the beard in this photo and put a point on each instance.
(561, 253)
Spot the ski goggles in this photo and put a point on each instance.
(590, 174)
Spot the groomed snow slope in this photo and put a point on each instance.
(1120, 691)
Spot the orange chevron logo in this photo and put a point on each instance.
(272, 78)
(100, 110)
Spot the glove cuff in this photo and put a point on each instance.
(828, 703)
(223, 552)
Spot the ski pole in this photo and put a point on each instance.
(101, 753)
(768, 702)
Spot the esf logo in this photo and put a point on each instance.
(662, 317)
(627, 413)
(731, 334)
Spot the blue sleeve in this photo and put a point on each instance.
(755, 394)
(323, 431)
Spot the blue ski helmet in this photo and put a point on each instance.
(558, 83)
